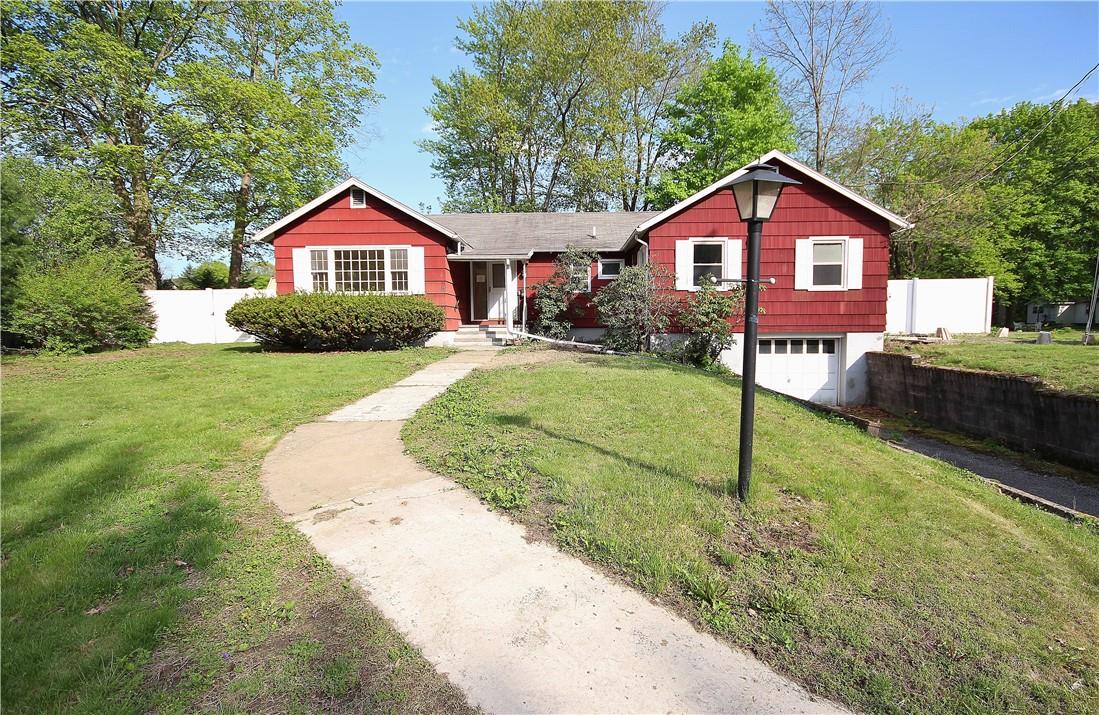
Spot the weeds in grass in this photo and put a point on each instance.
(143, 568)
(882, 580)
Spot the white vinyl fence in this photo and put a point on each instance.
(922, 305)
(198, 316)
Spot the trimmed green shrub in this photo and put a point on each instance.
(91, 303)
(337, 321)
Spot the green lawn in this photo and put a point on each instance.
(886, 580)
(143, 569)
(1067, 364)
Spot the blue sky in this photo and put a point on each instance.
(961, 59)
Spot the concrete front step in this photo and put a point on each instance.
(487, 335)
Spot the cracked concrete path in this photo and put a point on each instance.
(519, 626)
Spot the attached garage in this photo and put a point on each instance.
(804, 367)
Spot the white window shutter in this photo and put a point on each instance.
(803, 264)
(416, 277)
(854, 263)
(733, 262)
(684, 264)
(303, 275)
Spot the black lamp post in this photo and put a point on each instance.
(756, 192)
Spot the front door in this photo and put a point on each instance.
(489, 291)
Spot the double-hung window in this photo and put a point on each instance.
(828, 261)
(707, 262)
(318, 268)
(360, 270)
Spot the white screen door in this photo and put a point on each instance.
(496, 291)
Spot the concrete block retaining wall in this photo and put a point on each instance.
(1014, 411)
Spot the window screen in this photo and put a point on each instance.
(707, 262)
(828, 264)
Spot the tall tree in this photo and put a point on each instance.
(652, 70)
(89, 82)
(921, 169)
(279, 92)
(1045, 195)
(561, 106)
(824, 51)
(726, 118)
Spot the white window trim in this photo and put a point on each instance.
(722, 241)
(621, 265)
(358, 205)
(813, 241)
(387, 267)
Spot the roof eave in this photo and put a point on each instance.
(895, 222)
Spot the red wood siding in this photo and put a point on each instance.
(337, 224)
(803, 211)
(540, 268)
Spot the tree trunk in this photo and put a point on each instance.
(142, 234)
(240, 224)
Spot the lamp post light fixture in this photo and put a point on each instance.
(756, 192)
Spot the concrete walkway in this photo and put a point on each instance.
(518, 626)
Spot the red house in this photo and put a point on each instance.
(826, 247)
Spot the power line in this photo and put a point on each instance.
(1054, 109)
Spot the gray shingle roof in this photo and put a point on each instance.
(518, 233)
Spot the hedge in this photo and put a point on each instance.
(337, 321)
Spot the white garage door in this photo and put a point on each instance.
(802, 367)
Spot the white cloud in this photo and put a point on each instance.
(430, 128)
(1049, 97)
(992, 100)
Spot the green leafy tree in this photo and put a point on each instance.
(562, 297)
(1043, 200)
(924, 169)
(635, 306)
(729, 116)
(91, 83)
(561, 107)
(707, 323)
(211, 274)
(50, 217)
(278, 92)
(257, 274)
(1011, 195)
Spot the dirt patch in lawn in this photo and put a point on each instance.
(532, 355)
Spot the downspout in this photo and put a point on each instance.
(509, 318)
(524, 294)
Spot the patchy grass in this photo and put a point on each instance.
(1067, 364)
(886, 580)
(143, 569)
